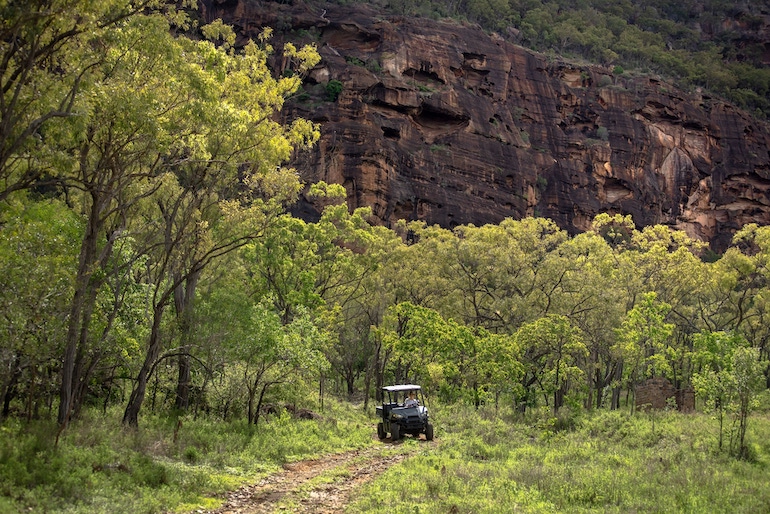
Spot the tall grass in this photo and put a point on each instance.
(480, 462)
(168, 464)
(603, 462)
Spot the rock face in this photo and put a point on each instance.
(442, 122)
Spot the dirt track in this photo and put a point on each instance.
(313, 486)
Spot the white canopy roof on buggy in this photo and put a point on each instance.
(402, 387)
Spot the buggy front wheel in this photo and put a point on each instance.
(428, 432)
(395, 432)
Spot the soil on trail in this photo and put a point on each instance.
(318, 486)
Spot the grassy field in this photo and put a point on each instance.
(480, 462)
(603, 462)
(100, 467)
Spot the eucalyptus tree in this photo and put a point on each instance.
(669, 263)
(156, 133)
(115, 147)
(50, 51)
(503, 275)
(59, 78)
(378, 292)
(427, 348)
(415, 270)
(221, 131)
(327, 268)
(272, 353)
(729, 377)
(114, 110)
(589, 296)
(643, 341)
(553, 355)
(752, 287)
(407, 263)
(478, 261)
(499, 366)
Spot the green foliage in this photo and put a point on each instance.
(730, 377)
(333, 90)
(642, 340)
(604, 81)
(118, 265)
(603, 133)
(355, 61)
(553, 352)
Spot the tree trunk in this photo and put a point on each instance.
(250, 405)
(182, 401)
(252, 388)
(350, 382)
(599, 388)
(743, 423)
(367, 385)
(131, 414)
(378, 376)
(184, 296)
(84, 377)
(594, 386)
(259, 402)
(615, 403)
(321, 380)
(81, 310)
(10, 389)
(83, 302)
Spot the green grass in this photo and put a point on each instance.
(609, 462)
(480, 462)
(99, 466)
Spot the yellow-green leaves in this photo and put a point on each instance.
(643, 339)
(218, 31)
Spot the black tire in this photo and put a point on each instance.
(428, 432)
(381, 430)
(395, 432)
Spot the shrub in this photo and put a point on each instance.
(603, 134)
(333, 90)
(605, 80)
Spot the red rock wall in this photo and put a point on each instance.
(442, 122)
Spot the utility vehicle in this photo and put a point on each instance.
(402, 412)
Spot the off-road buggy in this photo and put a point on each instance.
(402, 414)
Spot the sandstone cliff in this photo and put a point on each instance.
(442, 122)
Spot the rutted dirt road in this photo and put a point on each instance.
(319, 486)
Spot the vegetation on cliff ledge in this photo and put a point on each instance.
(713, 44)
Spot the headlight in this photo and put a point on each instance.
(396, 416)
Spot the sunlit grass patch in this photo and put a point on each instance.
(609, 462)
(431, 483)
